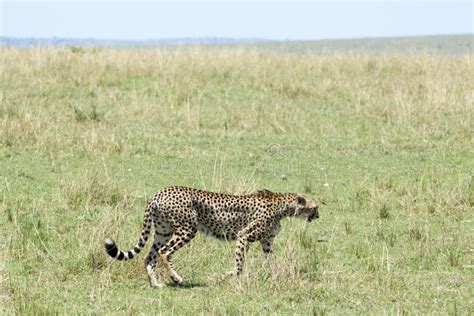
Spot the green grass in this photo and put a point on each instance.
(384, 143)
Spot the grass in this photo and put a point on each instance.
(384, 143)
(439, 44)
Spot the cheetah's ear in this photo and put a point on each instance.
(301, 200)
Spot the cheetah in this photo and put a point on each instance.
(177, 213)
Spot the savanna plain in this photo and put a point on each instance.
(383, 142)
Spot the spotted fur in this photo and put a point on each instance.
(177, 213)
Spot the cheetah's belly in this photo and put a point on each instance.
(217, 233)
(222, 234)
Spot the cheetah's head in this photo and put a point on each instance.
(306, 208)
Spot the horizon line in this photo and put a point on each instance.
(228, 38)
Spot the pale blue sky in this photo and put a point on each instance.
(265, 20)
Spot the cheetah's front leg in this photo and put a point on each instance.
(246, 236)
(240, 252)
(267, 247)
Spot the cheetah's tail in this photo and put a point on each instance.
(115, 253)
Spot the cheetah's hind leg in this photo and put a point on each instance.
(151, 259)
(162, 235)
(179, 238)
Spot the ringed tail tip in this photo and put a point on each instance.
(110, 247)
(109, 243)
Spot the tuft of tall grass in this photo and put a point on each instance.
(93, 190)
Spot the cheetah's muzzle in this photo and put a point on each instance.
(314, 214)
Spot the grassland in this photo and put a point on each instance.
(440, 45)
(385, 143)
